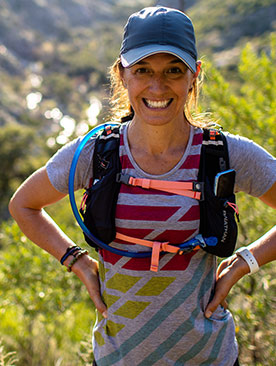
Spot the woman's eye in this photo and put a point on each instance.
(174, 70)
(142, 70)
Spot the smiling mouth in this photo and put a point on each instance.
(157, 104)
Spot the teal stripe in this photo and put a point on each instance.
(171, 341)
(198, 346)
(217, 346)
(183, 329)
(157, 319)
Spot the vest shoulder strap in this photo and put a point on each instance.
(214, 155)
(106, 151)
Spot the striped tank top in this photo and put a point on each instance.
(157, 318)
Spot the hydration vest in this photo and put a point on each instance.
(217, 215)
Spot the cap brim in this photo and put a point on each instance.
(133, 56)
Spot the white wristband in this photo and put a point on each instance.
(249, 258)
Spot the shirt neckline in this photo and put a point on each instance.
(148, 175)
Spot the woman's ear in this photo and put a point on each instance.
(122, 77)
(198, 68)
(195, 75)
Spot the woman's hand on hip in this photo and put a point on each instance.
(86, 268)
(230, 271)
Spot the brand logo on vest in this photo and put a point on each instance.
(225, 226)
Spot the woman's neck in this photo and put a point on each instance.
(157, 149)
(154, 139)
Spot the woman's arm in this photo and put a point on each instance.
(26, 207)
(270, 197)
(232, 269)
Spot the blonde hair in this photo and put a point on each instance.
(121, 109)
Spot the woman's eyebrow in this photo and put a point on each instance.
(141, 63)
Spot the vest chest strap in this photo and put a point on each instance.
(189, 189)
(157, 247)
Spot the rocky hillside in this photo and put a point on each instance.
(25, 25)
(62, 48)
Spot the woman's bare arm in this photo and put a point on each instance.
(26, 207)
(232, 269)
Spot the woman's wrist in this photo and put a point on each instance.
(240, 266)
(72, 257)
(77, 256)
(85, 263)
(249, 259)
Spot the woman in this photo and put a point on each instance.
(173, 316)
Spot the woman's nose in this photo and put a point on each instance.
(158, 83)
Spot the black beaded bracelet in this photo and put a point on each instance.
(76, 257)
(72, 249)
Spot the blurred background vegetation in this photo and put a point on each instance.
(54, 58)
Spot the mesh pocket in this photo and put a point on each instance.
(99, 216)
(218, 219)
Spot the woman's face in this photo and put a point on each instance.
(158, 88)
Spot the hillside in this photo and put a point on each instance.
(223, 28)
(61, 49)
(25, 25)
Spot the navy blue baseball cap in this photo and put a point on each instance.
(159, 29)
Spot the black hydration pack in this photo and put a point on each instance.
(217, 216)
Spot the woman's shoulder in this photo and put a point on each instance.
(255, 166)
(59, 165)
(238, 144)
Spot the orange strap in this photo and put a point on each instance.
(156, 246)
(180, 188)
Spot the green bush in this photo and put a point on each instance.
(45, 312)
(250, 110)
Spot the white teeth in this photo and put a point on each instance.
(157, 103)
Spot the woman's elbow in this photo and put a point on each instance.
(269, 197)
(14, 206)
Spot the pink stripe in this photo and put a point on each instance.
(109, 257)
(197, 139)
(138, 264)
(192, 214)
(178, 262)
(147, 213)
(175, 236)
(192, 162)
(136, 233)
(121, 140)
(125, 162)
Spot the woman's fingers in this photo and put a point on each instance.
(224, 264)
(221, 291)
(93, 288)
(86, 269)
(226, 278)
(228, 273)
(224, 304)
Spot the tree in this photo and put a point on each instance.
(249, 109)
(17, 160)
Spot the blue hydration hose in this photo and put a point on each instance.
(190, 244)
